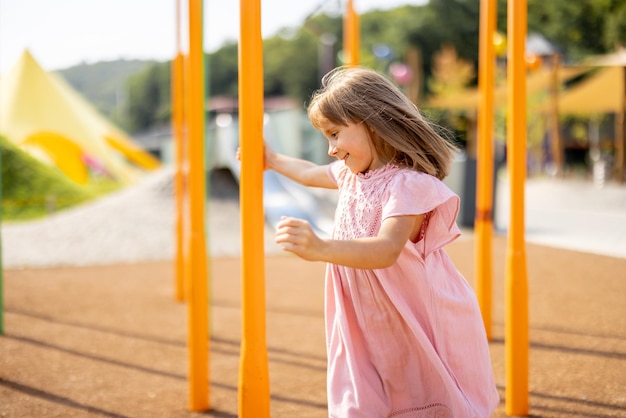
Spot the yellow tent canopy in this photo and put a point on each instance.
(39, 110)
(602, 92)
(536, 81)
(613, 59)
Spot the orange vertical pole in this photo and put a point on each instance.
(197, 298)
(178, 118)
(351, 35)
(347, 33)
(483, 224)
(254, 392)
(516, 322)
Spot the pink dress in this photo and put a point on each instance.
(408, 340)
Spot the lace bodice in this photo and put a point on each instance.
(359, 208)
(365, 200)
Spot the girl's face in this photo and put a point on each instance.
(352, 144)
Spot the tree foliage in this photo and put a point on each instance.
(222, 71)
(287, 68)
(580, 27)
(293, 64)
(451, 75)
(103, 83)
(149, 102)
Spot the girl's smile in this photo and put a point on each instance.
(352, 144)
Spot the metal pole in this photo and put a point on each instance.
(197, 298)
(178, 120)
(483, 223)
(351, 35)
(254, 392)
(516, 322)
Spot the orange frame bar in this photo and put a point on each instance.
(254, 392)
(178, 121)
(197, 298)
(483, 224)
(516, 283)
(351, 35)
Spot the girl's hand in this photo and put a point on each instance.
(268, 155)
(381, 251)
(297, 236)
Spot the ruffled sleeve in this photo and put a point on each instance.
(414, 193)
(336, 171)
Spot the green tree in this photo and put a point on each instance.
(222, 71)
(149, 101)
(292, 65)
(579, 28)
(392, 28)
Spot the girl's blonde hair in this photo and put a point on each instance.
(399, 132)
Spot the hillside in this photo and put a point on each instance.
(103, 84)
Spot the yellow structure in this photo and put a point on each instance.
(583, 98)
(42, 114)
(537, 81)
(59, 151)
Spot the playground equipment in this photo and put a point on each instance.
(195, 271)
(253, 379)
(483, 224)
(516, 283)
(516, 324)
(351, 35)
(254, 391)
(46, 117)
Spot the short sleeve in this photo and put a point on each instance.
(414, 193)
(336, 171)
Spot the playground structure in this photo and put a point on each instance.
(46, 117)
(253, 382)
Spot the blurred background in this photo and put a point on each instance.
(114, 59)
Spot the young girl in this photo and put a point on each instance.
(404, 333)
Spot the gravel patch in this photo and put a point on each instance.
(134, 224)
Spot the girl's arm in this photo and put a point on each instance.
(296, 235)
(304, 172)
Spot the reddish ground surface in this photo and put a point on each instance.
(111, 341)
